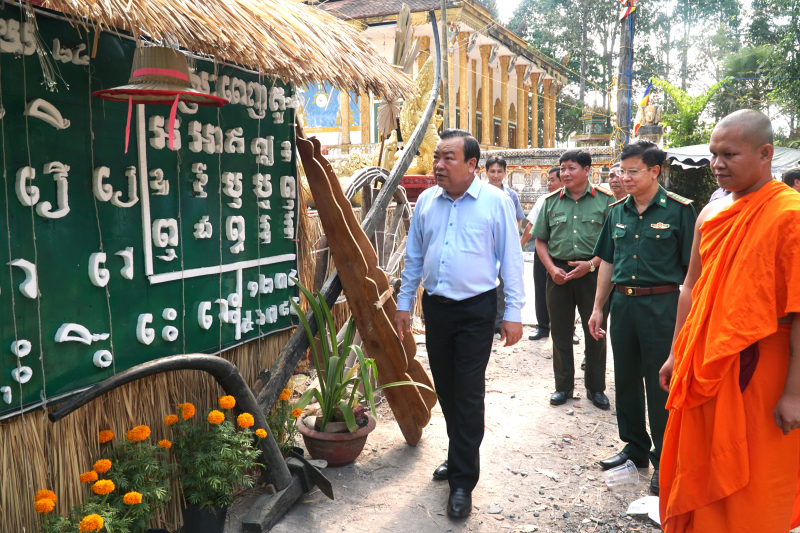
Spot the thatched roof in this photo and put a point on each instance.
(280, 37)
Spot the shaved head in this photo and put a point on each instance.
(753, 125)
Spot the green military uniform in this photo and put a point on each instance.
(571, 228)
(649, 249)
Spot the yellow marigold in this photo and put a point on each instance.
(132, 498)
(137, 434)
(215, 417)
(285, 395)
(165, 444)
(227, 402)
(187, 410)
(45, 494)
(297, 412)
(44, 506)
(105, 436)
(104, 486)
(93, 522)
(171, 419)
(245, 420)
(102, 466)
(261, 433)
(89, 477)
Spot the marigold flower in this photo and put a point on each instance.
(215, 417)
(93, 522)
(187, 410)
(285, 395)
(245, 420)
(260, 433)
(105, 436)
(44, 506)
(102, 466)
(165, 444)
(89, 477)
(103, 487)
(171, 419)
(227, 402)
(297, 413)
(138, 434)
(45, 494)
(132, 498)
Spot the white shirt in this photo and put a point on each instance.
(535, 211)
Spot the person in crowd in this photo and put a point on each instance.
(719, 193)
(461, 232)
(792, 178)
(496, 172)
(645, 248)
(731, 451)
(615, 183)
(566, 232)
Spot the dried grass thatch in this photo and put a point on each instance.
(278, 37)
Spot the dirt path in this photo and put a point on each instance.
(390, 487)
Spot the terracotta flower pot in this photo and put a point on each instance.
(338, 449)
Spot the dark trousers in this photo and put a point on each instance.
(501, 303)
(459, 337)
(561, 303)
(540, 290)
(641, 336)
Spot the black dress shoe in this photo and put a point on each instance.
(620, 459)
(441, 472)
(599, 399)
(559, 397)
(459, 504)
(540, 333)
(654, 483)
(583, 364)
(575, 339)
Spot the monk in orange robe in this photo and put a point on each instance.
(731, 458)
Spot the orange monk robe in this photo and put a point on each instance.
(725, 465)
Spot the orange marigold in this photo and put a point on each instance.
(245, 420)
(105, 436)
(89, 477)
(103, 487)
(227, 402)
(171, 419)
(137, 434)
(297, 412)
(261, 433)
(285, 395)
(93, 522)
(45, 494)
(216, 417)
(187, 410)
(102, 466)
(44, 506)
(165, 444)
(132, 498)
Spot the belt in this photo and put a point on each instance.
(445, 300)
(566, 261)
(647, 291)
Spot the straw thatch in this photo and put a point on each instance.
(278, 37)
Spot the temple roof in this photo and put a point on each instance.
(370, 8)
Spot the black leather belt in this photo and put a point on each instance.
(647, 291)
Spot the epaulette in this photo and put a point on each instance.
(604, 190)
(678, 198)
(618, 202)
(548, 195)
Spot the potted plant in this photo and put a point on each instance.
(338, 393)
(213, 459)
(282, 420)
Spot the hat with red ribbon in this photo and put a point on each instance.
(159, 76)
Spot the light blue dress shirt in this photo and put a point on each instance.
(456, 246)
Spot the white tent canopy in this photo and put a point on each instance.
(699, 155)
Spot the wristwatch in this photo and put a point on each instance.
(592, 268)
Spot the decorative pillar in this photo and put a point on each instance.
(487, 113)
(451, 89)
(344, 114)
(522, 109)
(546, 113)
(504, 101)
(473, 111)
(535, 110)
(463, 94)
(364, 115)
(424, 54)
(555, 90)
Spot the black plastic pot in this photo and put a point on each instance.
(158, 531)
(197, 520)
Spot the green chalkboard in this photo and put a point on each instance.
(208, 227)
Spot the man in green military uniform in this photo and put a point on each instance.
(645, 246)
(566, 232)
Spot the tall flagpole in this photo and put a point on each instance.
(445, 72)
(624, 81)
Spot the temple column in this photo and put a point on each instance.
(425, 52)
(504, 101)
(473, 111)
(556, 89)
(344, 115)
(535, 110)
(522, 109)
(463, 90)
(546, 113)
(451, 89)
(364, 115)
(487, 113)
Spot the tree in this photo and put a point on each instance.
(749, 84)
(783, 65)
(685, 126)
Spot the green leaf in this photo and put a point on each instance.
(349, 417)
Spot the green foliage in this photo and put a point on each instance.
(113, 520)
(694, 183)
(747, 87)
(684, 126)
(338, 387)
(213, 460)
(283, 425)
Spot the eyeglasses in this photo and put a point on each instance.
(632, 173)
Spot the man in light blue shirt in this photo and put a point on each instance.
(460, 232)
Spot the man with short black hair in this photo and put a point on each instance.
(566, 232)
(792, 178)
(461, 230)
(615, 182)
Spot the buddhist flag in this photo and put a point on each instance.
(628, 7)
(645, 101)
